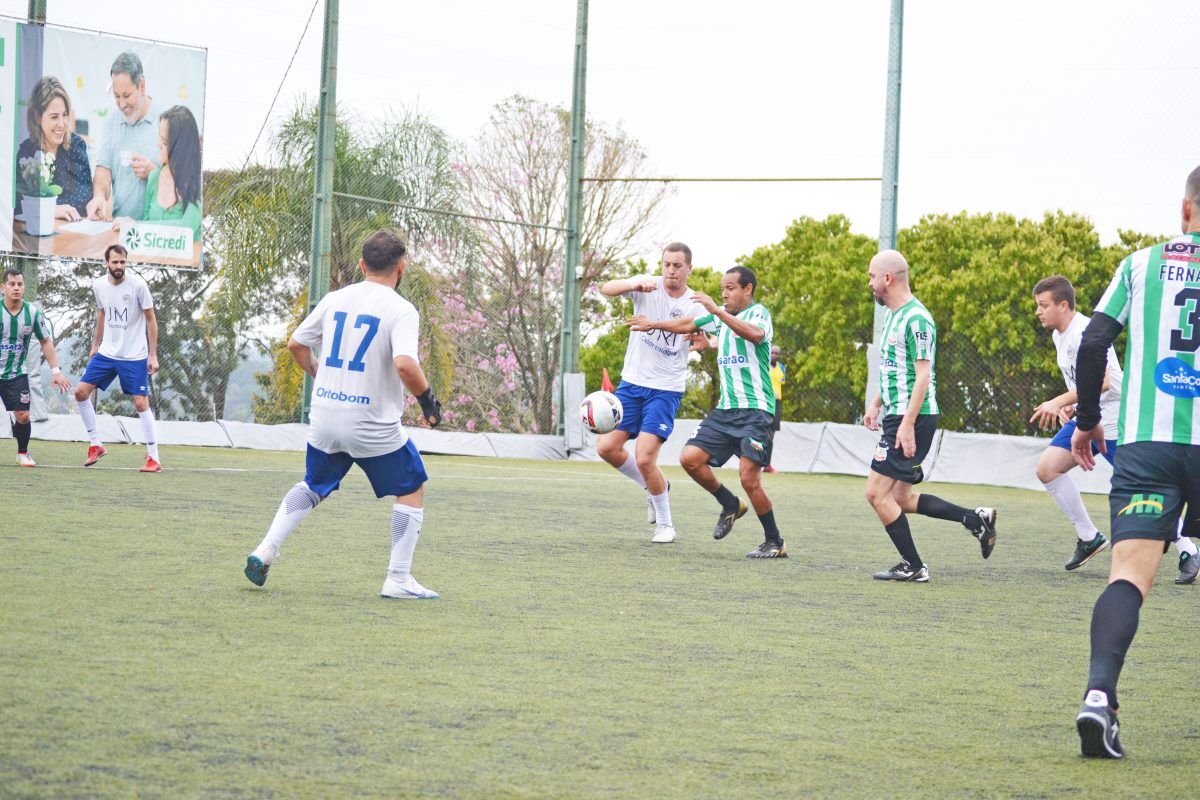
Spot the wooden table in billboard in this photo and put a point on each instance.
(77, 245)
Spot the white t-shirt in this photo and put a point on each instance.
(658, 359)
(1067, 345)
(357, 395)
(124, 306)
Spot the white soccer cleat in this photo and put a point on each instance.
(406, 589)
(25, 460)
(663, 534)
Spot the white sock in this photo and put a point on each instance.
(1182, 543)
(406, 527)
(1066, 495)
(147, 418)
(662, 508)
(88, 414)
(297, 504)
(630, 470)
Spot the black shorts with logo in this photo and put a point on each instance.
(1151, 485)
(726, 432)
(890, 461)
(14, 393)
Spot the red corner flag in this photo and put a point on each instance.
(606, 382)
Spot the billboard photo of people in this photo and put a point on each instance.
(108, 145)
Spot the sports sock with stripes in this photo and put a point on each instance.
(406, 528)
(297, 504)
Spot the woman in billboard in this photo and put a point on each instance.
(173, 189)
(51, 126)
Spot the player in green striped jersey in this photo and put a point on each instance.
(1155, 294)
(741, 423)
(907, 399)
(21, 321)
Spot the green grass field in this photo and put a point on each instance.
(568, 657)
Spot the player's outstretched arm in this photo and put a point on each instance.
(682, 325)
(413, 378)
(303, 355)
(616, 288)
(740, 327)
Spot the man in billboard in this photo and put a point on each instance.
(129, 149)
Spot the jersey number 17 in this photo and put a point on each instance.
(357, 364)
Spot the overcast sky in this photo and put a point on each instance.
(1020, 107)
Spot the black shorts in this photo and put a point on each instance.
(726, 432)
(889, 460)
(14, 393)
(1151, 485)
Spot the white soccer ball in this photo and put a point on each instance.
(601, 412)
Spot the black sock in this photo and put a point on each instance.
(1114, 622)
(902, 538)
(770, 530)
(936, 507)
(726, 498)
(22, 432)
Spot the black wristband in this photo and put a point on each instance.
(430, 407)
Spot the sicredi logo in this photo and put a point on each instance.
(147, 239)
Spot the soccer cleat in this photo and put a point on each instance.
(1085, 550)
(663, 534)
(95, 453)
(256, 569)
(25, 460)
(406, 589)
(1097, 726)
(986, 535)
(903, 572)
(769, 550)
(151, 465)
(727, 518)
(1189, 566)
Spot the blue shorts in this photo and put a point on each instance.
(398, 473)
(1063, 439)
(135, 375)
(647, 410)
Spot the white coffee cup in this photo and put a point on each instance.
(126, 158)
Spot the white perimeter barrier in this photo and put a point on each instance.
(975, 458)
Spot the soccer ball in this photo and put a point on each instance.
(601, 412)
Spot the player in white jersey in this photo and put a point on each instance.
(366, 335)
(653, 380)
(125, 345)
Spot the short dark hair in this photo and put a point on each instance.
(12, 272)
(746, 277)
(680, 247)
(1059, 288)
(382, 250)
(1193, 186)
(114, 248)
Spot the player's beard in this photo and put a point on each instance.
(878, 299)
(117, 274)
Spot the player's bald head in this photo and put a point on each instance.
(890, 261)
(1192, 190)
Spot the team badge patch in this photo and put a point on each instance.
(25, 398)
(881, 452)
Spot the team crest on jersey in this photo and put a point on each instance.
(892, 340)
(26, 330)
(676, 313)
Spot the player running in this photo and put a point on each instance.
(1055, 298)
(908, 399)
(126, 345)
(367, 335)
(19, 321)
(652, 381)
(741, 423)
(1155, 293)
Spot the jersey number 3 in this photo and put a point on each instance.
(1189, 323)
(335, 348)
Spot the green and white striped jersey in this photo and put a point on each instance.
(1155, 294)
(745, 367)
(908, 336)
(15, 332)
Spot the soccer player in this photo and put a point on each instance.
(908, 400)
(19, 321)
(1155, 293)
(741, 422)
(367, 335)
(124, 345)
(652, 381)
(1055, 298)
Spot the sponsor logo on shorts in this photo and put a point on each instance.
(662, 426)
(756, 444)
(1143, 505)
(1176, 377)
(342, 397)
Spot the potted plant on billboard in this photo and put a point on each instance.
(38, 194)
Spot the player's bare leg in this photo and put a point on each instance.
(695, 462)
(407, 515)
(146, 416)
(750, 473)
(1052, 468)
(886, 495)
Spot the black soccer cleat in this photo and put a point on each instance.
(987, 534)
(904, 572)
(769, 549)
(1097, 726)
(727, 518)
(1085, 550)
(1189, 567)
